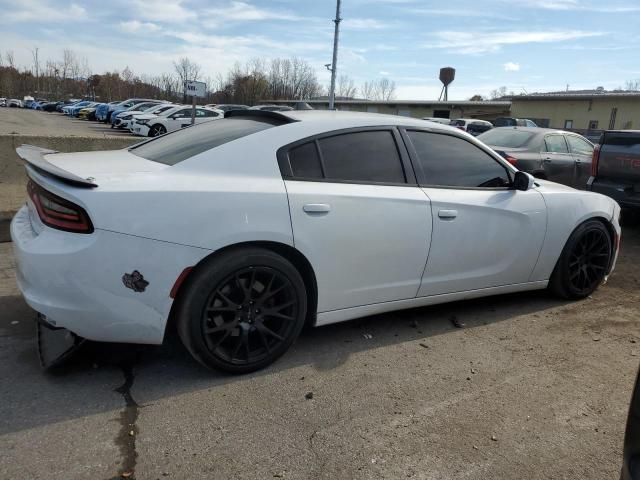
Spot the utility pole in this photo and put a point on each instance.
(334, 63)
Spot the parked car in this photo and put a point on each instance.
(172, 120)
(138, 107)
(51, 106)
(556, 155)
(3, 102)
(66, 103)
(247, 228)
(127, 118)
(471, 125)
(513, 122)
(68, 109)
(122, 106)
(272, 108)
(27, 100)
(631, 449)
(14, 103)
(89, 112)
(442, 121)
(225, 107)
(615, 170)
(103, 109)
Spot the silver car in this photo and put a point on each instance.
(555, 155)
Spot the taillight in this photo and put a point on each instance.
(595, 159)
(511, 160)
(56, 212)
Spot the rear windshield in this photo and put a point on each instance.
(506, 138)
(178, 146)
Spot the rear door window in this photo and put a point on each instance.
(579, 145)
(555, 144)
(362, 157)
(359, 157)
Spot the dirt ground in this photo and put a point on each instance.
(530, 388)
(20, 121)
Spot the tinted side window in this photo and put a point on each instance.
(579, 146)
(305, 161)
(556, 144)
(453, 162)
(362, 156)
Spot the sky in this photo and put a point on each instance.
(525, 45)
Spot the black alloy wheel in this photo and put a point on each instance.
(584, 262)
(157, 130)
(249, 315)
(241, 310)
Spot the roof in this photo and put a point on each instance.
(328, 120)
(578, 95)
(452, 103)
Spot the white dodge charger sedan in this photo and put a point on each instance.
(244, 229)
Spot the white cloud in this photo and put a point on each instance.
(384, 73)
(244, 12)
(42, 11)
(162, 10)
(364, 24)
(134, 26)
(468, 42)
(511, 67)
(575, 5)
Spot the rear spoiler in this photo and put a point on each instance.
(34, 156)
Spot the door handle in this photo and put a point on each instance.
(316, 208)
(447, 214)
(578, 160)
(547, 160)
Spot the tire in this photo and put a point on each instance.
(242, 310)
(583, 263)
(157, 130)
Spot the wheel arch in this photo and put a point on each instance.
(299, 261)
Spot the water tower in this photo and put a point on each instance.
(447, 75)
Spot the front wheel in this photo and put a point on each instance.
(157, 130)
(242, 310)
(584, 261)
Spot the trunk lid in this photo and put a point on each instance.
(86, 169)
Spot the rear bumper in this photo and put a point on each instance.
(76, 280)
(622, 193)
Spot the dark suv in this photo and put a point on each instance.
(615, 167)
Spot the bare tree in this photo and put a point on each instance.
(36, 67)
(187, 70)
(381, 89)
(633, 85)
(11, 62)
(345, 87)
(498, 93)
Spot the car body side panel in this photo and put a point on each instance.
(77, 280)
(370, 246)
(567, 208)
(492, 239)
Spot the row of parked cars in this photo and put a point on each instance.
(149, 117)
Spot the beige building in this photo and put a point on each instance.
(579, 111)
(487, 110)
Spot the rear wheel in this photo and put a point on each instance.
(584, 261)
(157, 130)
(242, 310)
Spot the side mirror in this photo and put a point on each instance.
(523, 181)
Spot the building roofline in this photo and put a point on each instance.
(399, 102)
(576, 96)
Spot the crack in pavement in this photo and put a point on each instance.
(126, 438)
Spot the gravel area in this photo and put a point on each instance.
(519, 386)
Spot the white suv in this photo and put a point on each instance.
(172, 120)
